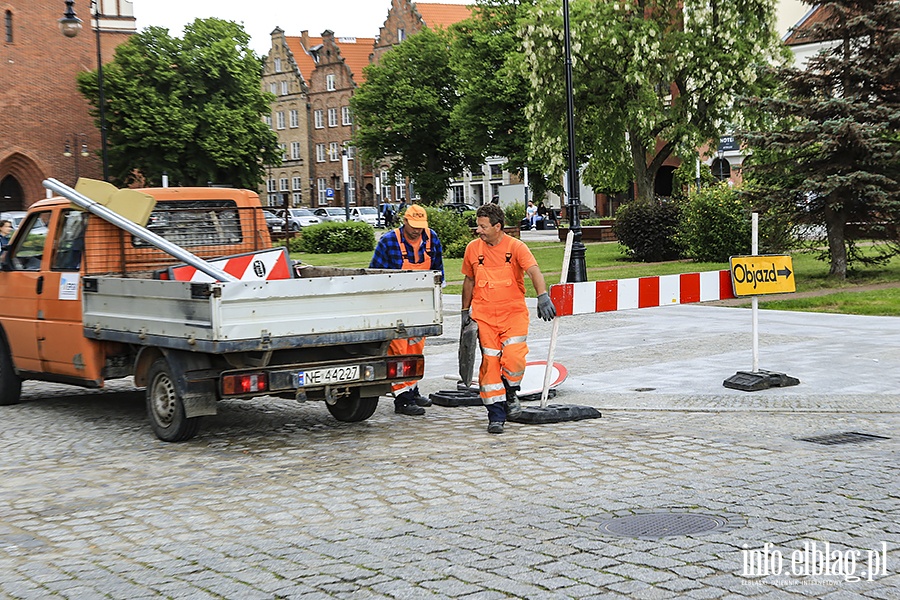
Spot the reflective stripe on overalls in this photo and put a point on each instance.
(415, 345)
(499, 307)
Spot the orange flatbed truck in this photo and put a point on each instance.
(84, 299)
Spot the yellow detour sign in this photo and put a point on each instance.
(762, 274)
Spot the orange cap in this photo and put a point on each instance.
(416, 216)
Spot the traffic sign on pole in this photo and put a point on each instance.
(762, 274)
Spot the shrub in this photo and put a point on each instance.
(293, 245)
(469, 218)
(514, 213)
(714, 224)
(646, 230)
(331, 238)
(594, 221)
(451, 229)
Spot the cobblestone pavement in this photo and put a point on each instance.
(276, 499)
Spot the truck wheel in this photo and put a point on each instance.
(353, 408)
(165, 408)
(10, 383)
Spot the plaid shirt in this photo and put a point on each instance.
(388, 255)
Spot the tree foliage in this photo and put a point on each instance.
(402, 113)
(832, 161)
(652, 79)
(487, 57)
(190, 107)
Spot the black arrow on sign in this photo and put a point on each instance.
(785, 272)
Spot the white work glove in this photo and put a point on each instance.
(546, 310)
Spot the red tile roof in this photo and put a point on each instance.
(442, 15)
(801, 34)
(301, 54)
(355, 52)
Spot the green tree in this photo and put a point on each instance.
(191, 107)
(402, 113)
(487, 58)
(832, 162)
(652, 79)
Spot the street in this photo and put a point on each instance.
(682, 489)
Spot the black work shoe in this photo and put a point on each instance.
(495, 427)
(421, 400)
(409, 409)
(513, 406)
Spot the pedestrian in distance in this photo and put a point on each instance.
(531, 213)
(6, 230)
(413, 246)
(493, 296)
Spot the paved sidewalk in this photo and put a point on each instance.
(275, 499)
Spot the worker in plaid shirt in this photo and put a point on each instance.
(412, 246)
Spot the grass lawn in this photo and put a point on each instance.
(606, 261)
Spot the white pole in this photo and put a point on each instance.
(548, 370)
(754, 302)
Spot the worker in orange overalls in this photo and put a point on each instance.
(494, 297)
(411, 246)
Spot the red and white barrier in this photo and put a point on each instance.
(642, 292)
(263, 265)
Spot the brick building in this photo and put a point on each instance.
(314, 78)
(41, 111)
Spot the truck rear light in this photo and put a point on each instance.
(404, 368)
(244, 383)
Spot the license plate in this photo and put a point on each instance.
(276, 229)
(328, 376)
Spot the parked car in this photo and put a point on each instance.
(299, 218)
(459, 207)
(366, 214)
(330, 213)
(274, 223)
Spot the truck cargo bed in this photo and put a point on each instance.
(325, 306)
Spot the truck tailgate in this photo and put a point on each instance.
(246, 315)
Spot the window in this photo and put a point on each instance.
(332, 117)
(278, 65)
(322, 186)
(9, 27)
(284, 88)
(401, 189)
(295, 150)
(334, 151)
(273, 87)
(496, 171)
(351, 150)
(319, 118)
(459, 193)
(283, 184)
(385, 186)
(270, 185)
(294, 118)
(346, 119)
(70, 246)
(351, 190)
(329, 83)
(279, 119)
(295, 183)
(283, 151)
(320, 152)
(268, 120)
(401, 34)
(495, 189)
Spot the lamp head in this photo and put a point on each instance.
(70, 24)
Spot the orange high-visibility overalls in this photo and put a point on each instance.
(414, 345)
(498, 305)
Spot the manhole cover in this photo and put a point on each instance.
(847, 437)
(656, 525)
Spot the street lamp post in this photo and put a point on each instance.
(70, 25)
(721, 155)
(83, 151)
(346, 179)
(577, 265)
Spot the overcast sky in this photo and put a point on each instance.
(347, 18)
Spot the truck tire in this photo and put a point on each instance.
(353, 409)
(10, 383)
(164, 406)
